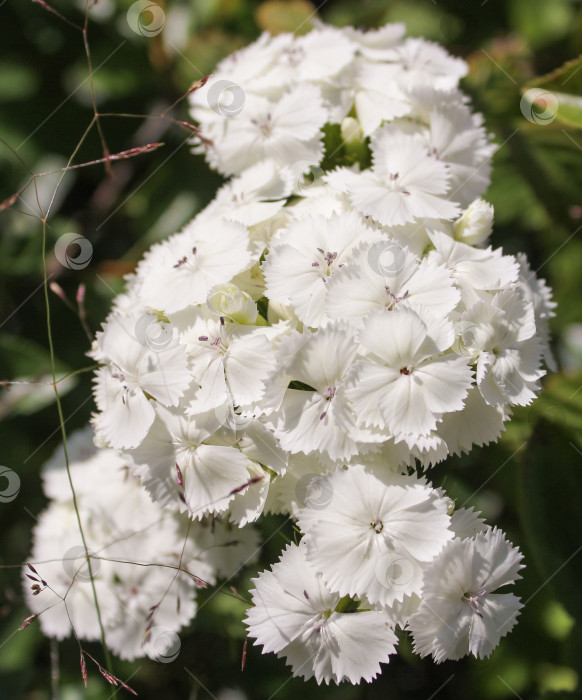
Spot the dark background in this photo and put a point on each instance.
(529, 483)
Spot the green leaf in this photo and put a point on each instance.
(557, 95)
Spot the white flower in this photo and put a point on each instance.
(478, 423)
(285, 130)
(460, 612)
(377, 98)
(456, 137)
(500, 333)
(137, 372)
(318, 417)
(405, 384)
(300, 265)
(377, 534)
(474, 268)
(256, 195)
(296, 616)
(318, 56)
(230, 363)
(248, 66)
(404, 184)
(385, 275)
(420, 62)
(181, 271)
(207, 475)
(58, 557)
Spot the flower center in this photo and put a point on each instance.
(294, 55)
(265, 126)
(325, 261)
(406, 370)
(394, 184)
(184, 262)
(377, 525)
(217, 343)
(474, 601)
(328, 393)
(393, 299)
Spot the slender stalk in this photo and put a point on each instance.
(64, 438)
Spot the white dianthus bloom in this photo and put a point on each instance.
(248, 66)
(285, 130)
(58, 557)
(460, 612)
(377, 534)
(405, 384)
(456, 137)
(181, 271)
(299, 267)
(230, 363)
(319, 56)
(256, 195)
(376, 98)
(318, 416)
(296, 616)
(404, 184)
(123, 530)
(474, 268)
(385, 275)
(421, 62)
(180, 468)
(138, 371)
(499, 332)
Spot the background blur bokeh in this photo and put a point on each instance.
(530, 483)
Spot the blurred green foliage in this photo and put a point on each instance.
(530, 483)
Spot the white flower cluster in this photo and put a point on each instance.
(380, 551)
(332, 319)
(146, 562)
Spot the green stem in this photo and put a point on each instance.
(64, 438)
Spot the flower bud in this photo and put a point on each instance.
(474, 226)
(351, 130)
(230, 301)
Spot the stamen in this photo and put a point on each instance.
(393, 296)
(377, 525)
(329, 393)
(181, 262)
